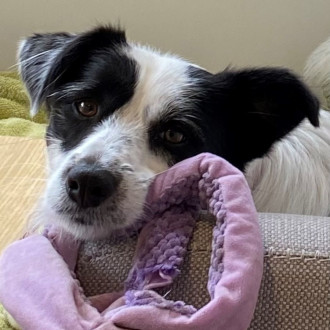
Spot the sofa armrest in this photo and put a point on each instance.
(295, 290)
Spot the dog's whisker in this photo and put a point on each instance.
(273, 115)
(35, 165)
(21, 185)
(26, 61)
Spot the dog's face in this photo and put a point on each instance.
(120, 113)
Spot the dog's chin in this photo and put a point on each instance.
(87, 228)
(92, 231)
(94, 223)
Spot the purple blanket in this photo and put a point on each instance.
(39, 289)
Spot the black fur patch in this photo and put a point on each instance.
(249, 110)
(92, 65)
(240, 114)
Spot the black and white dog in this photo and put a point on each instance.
(119, 113)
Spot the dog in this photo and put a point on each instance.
(119, 113)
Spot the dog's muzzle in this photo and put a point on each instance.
(90, 185)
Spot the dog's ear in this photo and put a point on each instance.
(47, 60)
(36, 56)
(258, 107)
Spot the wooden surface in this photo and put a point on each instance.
(22, 172)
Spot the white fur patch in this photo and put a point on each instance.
(295, 176)
(317, 73)
(162, 80)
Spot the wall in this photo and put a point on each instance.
(212, 33)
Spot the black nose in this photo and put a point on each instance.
(89, 186)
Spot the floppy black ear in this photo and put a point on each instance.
(46, 60)
(35, 56)
(257, 107)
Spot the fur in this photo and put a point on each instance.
(247, 116)
(295, 176)
(317, 73)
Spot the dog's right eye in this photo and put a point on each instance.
(173, 136)
(87, 108)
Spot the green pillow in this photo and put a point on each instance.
(15, 119)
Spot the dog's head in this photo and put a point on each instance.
(119, 113)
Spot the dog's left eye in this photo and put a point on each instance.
(172, 136)
(87, 108)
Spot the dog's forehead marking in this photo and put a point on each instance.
(162, 79)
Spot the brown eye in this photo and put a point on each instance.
(172, 136)
(87, 108)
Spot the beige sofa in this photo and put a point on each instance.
(295, 290)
